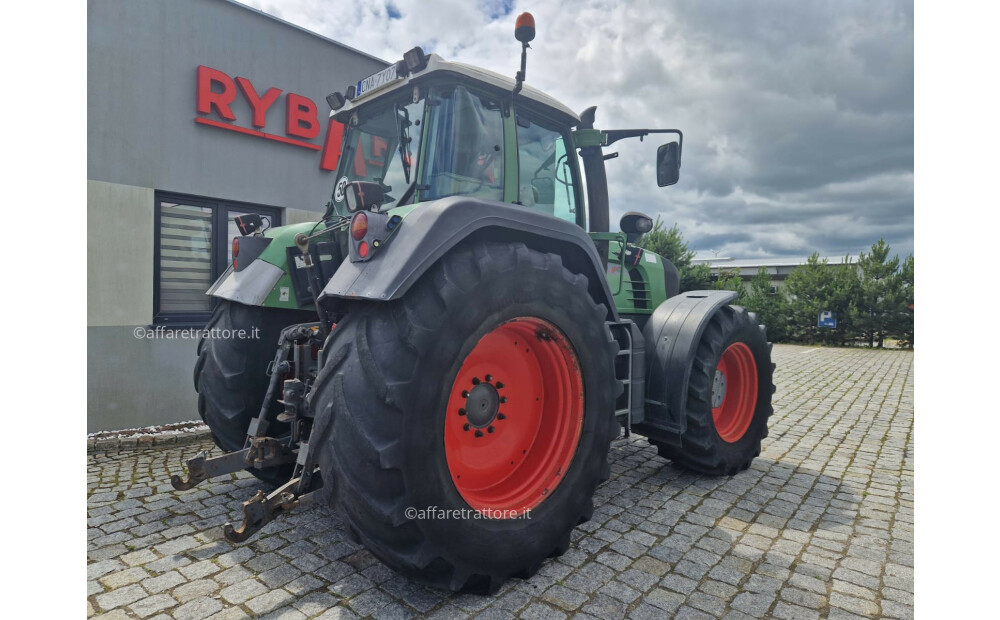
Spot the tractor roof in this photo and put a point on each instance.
(494, 81)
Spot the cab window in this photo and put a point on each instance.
(546, 179)
(464, 155)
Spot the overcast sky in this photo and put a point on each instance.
(797, 116)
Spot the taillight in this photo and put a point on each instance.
(363, 249)
(359, 228)
(236, 247)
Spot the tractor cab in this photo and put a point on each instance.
(426, 129)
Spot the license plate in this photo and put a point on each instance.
(374, 82)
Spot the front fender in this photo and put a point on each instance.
(671, 336)
(431, 230)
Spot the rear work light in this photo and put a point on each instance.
(359, 226)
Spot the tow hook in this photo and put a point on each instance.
(261, 509)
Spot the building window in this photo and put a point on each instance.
(774, 289)
(192, 237)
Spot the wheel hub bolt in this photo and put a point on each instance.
(465, 426)
(490, 429)
(499, 385)
(461, 412)
(501, 416)
(479, 433)
(475, 381)
(489, 378)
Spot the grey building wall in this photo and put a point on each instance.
(141, 69)
(141, 105)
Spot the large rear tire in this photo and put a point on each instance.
(488, 390)
(729, 396)
(230, 375)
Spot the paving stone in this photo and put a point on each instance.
(538, 611)
(197, 609)
(120, 597)
(786, 611)
(152, 604)
(564, 597)
(243, 591)
(194, 589)
(139, 557)
(620, 591)
(269, 601)
(285, 613)
(315, 603)
(200, 569)
(351, 585)
(665, 599)
(98, 569)
(606, 607)
(369, 602)
(853, 604)
(754, 604)
(122, 578)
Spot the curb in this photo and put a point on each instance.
(167, 438)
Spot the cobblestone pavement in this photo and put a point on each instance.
(820, 526)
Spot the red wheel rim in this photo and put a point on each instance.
(514, 417)
(734, 392)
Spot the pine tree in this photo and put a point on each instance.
(806, 288)
(771, 307)
(882, 295)
(670, 244)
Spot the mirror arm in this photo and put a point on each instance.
(614, 135)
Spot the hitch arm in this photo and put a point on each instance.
(261, 509)
(260, 453)
(201, 468)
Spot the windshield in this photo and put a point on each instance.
(382, 148)
(462, 156)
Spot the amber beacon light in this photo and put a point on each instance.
(524, 27)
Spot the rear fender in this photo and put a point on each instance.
(431, 230)
(671, 337)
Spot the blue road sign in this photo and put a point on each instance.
(827, 319)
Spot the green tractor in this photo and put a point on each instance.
(446, 356)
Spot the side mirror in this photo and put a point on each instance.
(362, 195)
(249, 223)
(668, 164)
(635, 225)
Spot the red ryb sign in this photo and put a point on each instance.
(217, 91)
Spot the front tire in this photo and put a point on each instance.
(230, 376)
(413, 387)
(729, 396)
